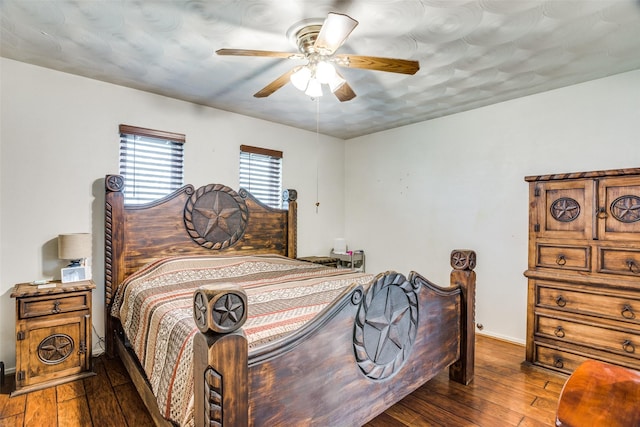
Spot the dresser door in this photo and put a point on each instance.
(563, 209)
(619, 209)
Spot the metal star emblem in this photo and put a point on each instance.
(387, 323)
(217, 216)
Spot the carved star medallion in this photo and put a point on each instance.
(200, 310)
(626, 209)
(565, 209)
(217, 216)
(55, 348)
(388, 323)
(229, 310)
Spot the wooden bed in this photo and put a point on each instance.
(330, 372)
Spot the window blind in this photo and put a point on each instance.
(151, 163)
(261, 174)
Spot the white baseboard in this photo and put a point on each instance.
(501, 337)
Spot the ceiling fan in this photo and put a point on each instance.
(317, 42)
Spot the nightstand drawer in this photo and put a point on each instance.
(565, 257)
(44, 306)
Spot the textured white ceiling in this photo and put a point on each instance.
(472, 52)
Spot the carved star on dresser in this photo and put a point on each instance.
(217, 216)
(626, 208)
(565, 209)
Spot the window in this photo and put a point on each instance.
(150, 162)
(261, 174)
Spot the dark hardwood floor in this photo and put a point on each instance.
(504, 393)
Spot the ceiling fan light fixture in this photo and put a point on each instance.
(336, 82)
(314, 89)
(325, 72)
(300, 79)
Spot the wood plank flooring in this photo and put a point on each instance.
(504, 393)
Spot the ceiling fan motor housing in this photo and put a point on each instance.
(303, 34)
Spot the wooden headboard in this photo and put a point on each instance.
(210, 220)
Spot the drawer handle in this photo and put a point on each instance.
(559, 332)
(561, 301)
(56, 306)
(561, 260)
(628, 346)
(627, 312)
(633, 266)
(602, 213)
(558, 362)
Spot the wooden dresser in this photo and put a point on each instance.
(584, 269)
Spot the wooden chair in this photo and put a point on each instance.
(600, 394)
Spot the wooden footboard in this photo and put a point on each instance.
(367, 351)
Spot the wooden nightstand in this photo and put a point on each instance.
(53, 334)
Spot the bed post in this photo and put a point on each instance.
(291, 196)
(463, 262)
(114, 250)
(220, 357)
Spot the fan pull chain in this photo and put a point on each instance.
(317, 152)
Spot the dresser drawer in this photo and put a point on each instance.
(564, 257)
(607, 304)
(559, 360)
(43, 306)
(619, 261)
(583, 332)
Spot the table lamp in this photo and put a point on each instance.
(75, 247)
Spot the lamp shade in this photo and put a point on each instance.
(314, 89)
(74, 246)
(300, 78)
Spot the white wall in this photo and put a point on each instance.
(415, 193)
(59, 138)
(407, 196)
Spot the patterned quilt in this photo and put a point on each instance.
(155, 304)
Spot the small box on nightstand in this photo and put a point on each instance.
(53, 334)
(350, 259)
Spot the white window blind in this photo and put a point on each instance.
(150, 162)
(261, 174)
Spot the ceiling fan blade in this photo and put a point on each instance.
(391, 65)
(334, 32)
(268, 53)
(276, 84)
(344, 93)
